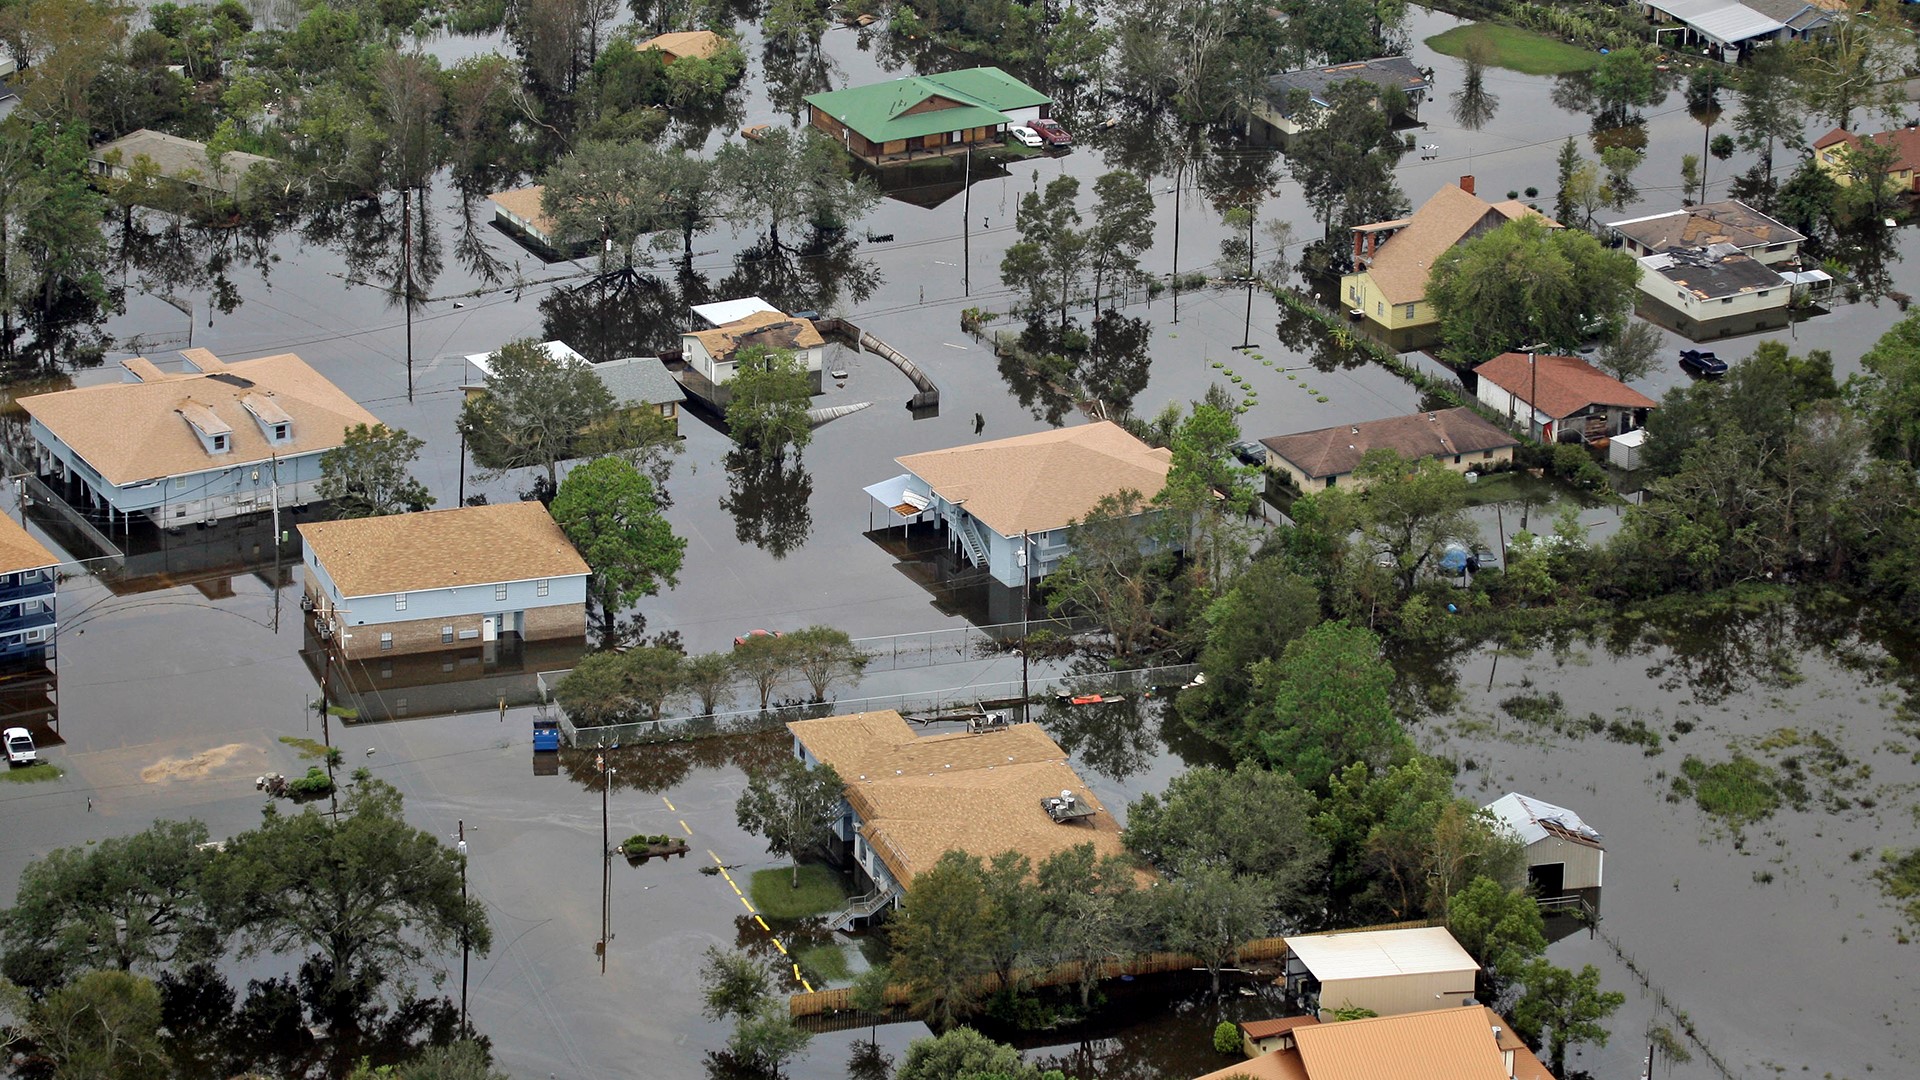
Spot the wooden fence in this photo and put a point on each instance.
(826, 1004)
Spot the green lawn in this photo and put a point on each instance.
(825, 965)
(30, 774)
(819, 892)
(1515, 49)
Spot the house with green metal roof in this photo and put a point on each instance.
(926, 114)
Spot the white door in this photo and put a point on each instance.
(490, 629)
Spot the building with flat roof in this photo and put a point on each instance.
(890, 122)
(466, 575)
(1459, 1043)
(211, 441)
(1295, 100)
(912, 798)
(1388, 971)
(1457, 438)
(1009, 505)
(1560, 397)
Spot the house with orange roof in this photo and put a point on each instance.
(1009, 506)
(1392, 259)
(1469, 1042)
(1560, 398)
(210, 441)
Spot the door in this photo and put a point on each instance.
(490, 628)
(1548, 880)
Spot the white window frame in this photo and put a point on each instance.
(541, 588)
(399, 601)
(500, 591)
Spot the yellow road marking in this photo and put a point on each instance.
(736, 889)
(807, 984)
(777, 945)
(715, 858)
(669, 803)
(683, 827)
(763, 924)
(749, 905)
(797, 977)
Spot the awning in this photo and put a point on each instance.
(1735, 24)
(898, 495)
(1807, 277)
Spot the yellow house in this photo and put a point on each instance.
(1829, 153)
(1391, 259)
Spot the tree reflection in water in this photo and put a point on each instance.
(655, 766)
(770, 500)
(615, 315)
(824, 272)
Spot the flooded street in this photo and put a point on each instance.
(173, 697)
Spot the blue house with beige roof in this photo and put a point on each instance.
(211, 441)
(27, 583)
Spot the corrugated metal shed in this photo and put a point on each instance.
(1376, 953)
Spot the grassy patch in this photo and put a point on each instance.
(1516, 49)
(825, 965)
(1739, 791)
(1899, 877)
(32, 774)
(819, 892)
(308, 749)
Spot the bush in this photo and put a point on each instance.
(642, 841)
(1226, 1037)
(316, 782)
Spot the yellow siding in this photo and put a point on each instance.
(1359, 291)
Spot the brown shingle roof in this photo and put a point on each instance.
(20, 551)
(1032, 483)
(524, 203)
(1335, 451)
(442, 549)
(1729, 221)
(1567, 384)
(1399, 269)
(697, 44)
(134, 432)
(920, 797)
(1456, 1043)
(1266, 1029)
(1904, 140)
(769, 329)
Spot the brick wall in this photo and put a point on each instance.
(428, 635)
(564, 621)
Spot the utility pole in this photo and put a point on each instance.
(966, 223)
(1246, 330)
(406, 259)
(1026, 577)
(1178, 171)
(606, 860)
(326, 714)
(461, 847)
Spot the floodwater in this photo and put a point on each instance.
(173, 693)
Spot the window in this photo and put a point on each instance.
(1331, 480)
(541, 588)
(1380, 308)
(1486, 455)
(399, 601)
(179, 481)
(1456, 459)
(386, 642)
(219, 442)
(1728, 300)
(500, 591)
(1410, 308)
(279, 433)
(446, 635)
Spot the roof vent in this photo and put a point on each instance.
(1356, 431)
(1496, 1034)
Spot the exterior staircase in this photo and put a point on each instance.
(864, 906)
(972, 541)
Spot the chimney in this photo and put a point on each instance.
(1466, 184)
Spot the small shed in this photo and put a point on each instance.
(1388, 971)
(1624, 451)
(1265, 1036)
(1565, 856)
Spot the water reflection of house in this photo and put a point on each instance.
(890, 122)
(1296, 100)
(1009, 504)
(1458, 1043)
(1391, 259)
(1457, 438)
(210, 442)
(474, 679)
(1560, 398)
(470, 575)
(1387, 971)
(1565, 857)
(910, 799)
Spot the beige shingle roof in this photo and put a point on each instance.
(524, 203)
(139, 431)
(177, 158)
(1399, 270)
(20, 551)
(695, 44)
(442, 549)
(1032, 483)
(920, 797)
(769, 329)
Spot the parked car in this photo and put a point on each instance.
(751, 634)
(1703, 363)
(20, 749)
(1026, 136)
(1250, 453)
(1052, 132)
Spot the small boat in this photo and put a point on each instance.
(756, 132)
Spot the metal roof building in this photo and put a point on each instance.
(1564, 854)
(1387, 971)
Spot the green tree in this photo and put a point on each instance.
(790, 806)
(609, 512)
(766, 1038)
(962, 1054)
(1872, 193)
(1407, 515)
(940, 941)
(603, 194)
(870, 997)
(105, 1026)
(1632, 352)
(1623, 81)
(709, 678)
(533, 411)
(1108, 576)
(1565, 1008)
(1251, 821)
(1857, 62)
(731, 983)
(1498, 925)
(127, 903)
(1267, 606)
(616, 687)
(1523, 283)
(1211, 913)
(1121, 232)
(368, 474)
(789, 177)
(824, 656)
(1770, 110)
(371, 894)
(1324, 705)
(766, 660)
(1345, 162)
(1082, 911)
(463, 1060)
(1887, 392)
(1379, 824)
(1046, 262)
(1569, 162)
(767, 402)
